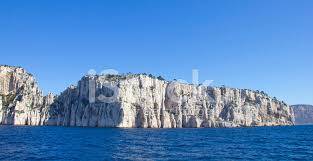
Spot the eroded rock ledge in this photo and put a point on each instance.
(133, 101)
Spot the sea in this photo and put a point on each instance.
(76, 143)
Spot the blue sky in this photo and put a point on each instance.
(258, 44)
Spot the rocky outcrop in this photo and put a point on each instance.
(136, 101)
(22, 103)
(303, 114)
(146, 102)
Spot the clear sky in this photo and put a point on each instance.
(259, 44)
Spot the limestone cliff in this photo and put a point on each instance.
(135, 101)
(21, 101)
(147, 102)
(303, 114)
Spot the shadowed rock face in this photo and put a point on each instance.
(142, 101)
(303, 114)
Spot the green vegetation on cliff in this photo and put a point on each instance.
(7, 99)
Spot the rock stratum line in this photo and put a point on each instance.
(140, 101)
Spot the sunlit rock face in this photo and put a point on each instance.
(21, 100)
(135, 101)
(146, 102)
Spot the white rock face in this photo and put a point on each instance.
(22, 101)
(135, 101)
(146, 102)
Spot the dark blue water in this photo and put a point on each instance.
(64, 143)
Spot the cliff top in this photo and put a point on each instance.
(302, 105)
(120, 77)
(16, 69)
(10, 67)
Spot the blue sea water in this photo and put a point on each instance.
(70, 143)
